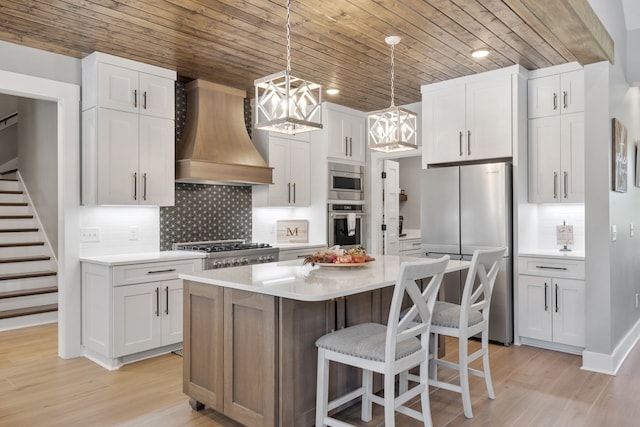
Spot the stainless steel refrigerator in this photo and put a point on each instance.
(465, 208)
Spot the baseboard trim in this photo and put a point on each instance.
(610, 363)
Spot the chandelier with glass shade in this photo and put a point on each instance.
(285, 103)
(394, 128)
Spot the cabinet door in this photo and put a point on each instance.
(117, 159)
(544, 160)
(337, 145)
(569, 312)
(250, 357)
(299, 172)
(118, 88)
(543, 96)
(171, 311)
(444, 125)
(157, 161)
(137, 324)
(534, 307)
(157, 96)
(572, 157)
(489, 121)
(353, 127)
(572, 96)
(279, 191)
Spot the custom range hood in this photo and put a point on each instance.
(215, 147)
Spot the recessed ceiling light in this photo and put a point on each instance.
(333, 91)
(480, 53)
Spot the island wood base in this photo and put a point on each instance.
(253, 357)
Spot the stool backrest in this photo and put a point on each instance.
(478, 288)
(417, 320)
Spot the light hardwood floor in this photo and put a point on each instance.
(533, 387)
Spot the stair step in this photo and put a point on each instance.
(7, 172)
(9, 179)
(28, 292)
(16, 216)
(28, 311)
(18, 230)
(11, 192)
(17, 244)
(25, 259)
(14, 204)
(27, 275)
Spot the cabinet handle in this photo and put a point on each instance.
(556, 297)
(135, 98)
(566, 185)
(555, 185)
(546, 299)
(546, 267)
(169, 270)
(461, 152)
(350, 147)
(166, 307)
(135, 186)
(144, 99)
(157, 302)
(144, 186)
(565, 100)
(555, 101)
(294, 192)
(468, 143)
(289, 192)
(346, 146)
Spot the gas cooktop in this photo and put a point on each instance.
(220, 246)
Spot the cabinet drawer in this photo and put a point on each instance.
(153, 271)
(551, 267)
(410, 245)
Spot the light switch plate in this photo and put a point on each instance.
(133, 232)
(614, 233)
(90, 234)
(631, 230)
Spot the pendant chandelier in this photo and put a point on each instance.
(285, 103)
(394, 128)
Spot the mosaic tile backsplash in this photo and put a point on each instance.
(206, 212)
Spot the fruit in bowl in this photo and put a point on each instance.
(336, 255)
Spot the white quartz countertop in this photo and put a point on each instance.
(292, 246)
(552, 253)
(139, 258)
(293, 280)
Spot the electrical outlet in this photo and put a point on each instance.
(631, 230)
(90, 234)
(133, 232)
(614, 233)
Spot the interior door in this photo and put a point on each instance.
(391, 207)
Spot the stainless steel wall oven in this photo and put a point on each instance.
(346, 225)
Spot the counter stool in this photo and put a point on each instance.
(469, 318)
(390, 350)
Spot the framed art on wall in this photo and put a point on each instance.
(620, 156)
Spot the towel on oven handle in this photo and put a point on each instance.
(351, 224)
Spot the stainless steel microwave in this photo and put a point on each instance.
(346, 182)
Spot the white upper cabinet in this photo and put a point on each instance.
(290, 159)
(346, 134)
(470, 118)
(128, 132)
(556, 138)
(556, 94)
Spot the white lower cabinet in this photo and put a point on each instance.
(551, 303)
(132, 311)
(411, 247)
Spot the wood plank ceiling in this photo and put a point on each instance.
(339, 43)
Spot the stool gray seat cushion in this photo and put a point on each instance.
(366, 341)
(447, 315)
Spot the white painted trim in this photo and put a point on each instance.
(67, 96)
(550, 345)
(611, 363)
(512, 69)
(553, 70)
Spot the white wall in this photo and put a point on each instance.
(114, 223)
(37, 155)
(410, 171)
(39, 63)
(612, 268)
(8, 135)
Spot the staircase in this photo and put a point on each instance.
(28, 282)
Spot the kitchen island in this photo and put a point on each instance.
(250, 332)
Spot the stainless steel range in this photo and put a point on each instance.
(230, 253)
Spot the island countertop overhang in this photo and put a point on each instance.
(304, 282)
